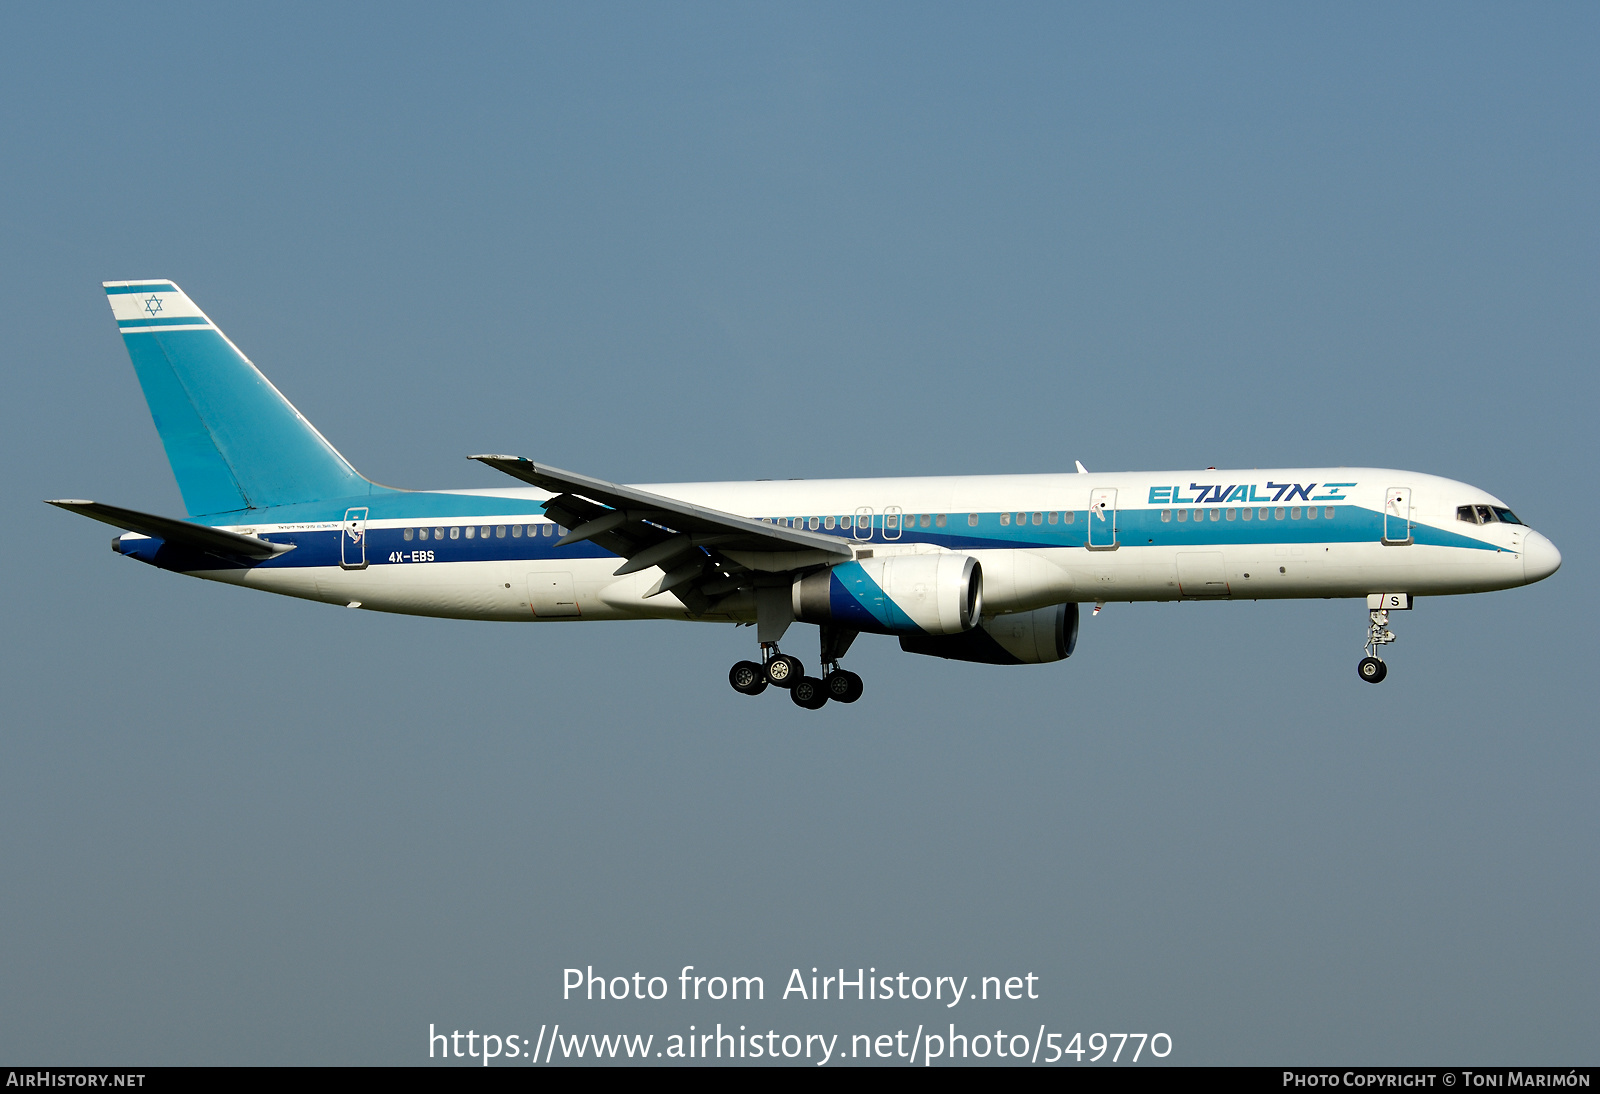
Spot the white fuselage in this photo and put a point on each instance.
(1040, 539)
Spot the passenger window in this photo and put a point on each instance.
(471, 532)
(438, 533)
(1215, 515)
(940, 521)
(925, 519)
(1022, 518)
(972, 520)
(1053, 517)
(1311, 512)
(500, 531)
(1183, 514)
(1005, 518)
(408, 534)
(483, 532)
(845, 522)
(422, 533)
(1246, 514)
(1166, 515)
(455, 531)
(1277, 514)
(1294, 514)
(815, 523)
(1038, 518)
(828, 522)
(1327, 512)
(547, 530)
(1233, 514)
(516, 531)
(1069, 516)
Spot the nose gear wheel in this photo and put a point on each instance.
(1372, 669)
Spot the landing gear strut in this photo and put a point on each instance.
(1372, 669)
(840, 685)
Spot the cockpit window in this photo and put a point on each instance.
(1486, 514)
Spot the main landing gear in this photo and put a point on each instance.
(1372, 669)
(781, 670)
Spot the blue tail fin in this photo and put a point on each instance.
(233, 440)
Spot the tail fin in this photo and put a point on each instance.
(234, 442)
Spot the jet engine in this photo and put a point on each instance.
(937, 594)
(1022, 638)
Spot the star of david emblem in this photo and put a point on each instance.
(152, 305)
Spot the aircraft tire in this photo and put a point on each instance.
(748, 678)
(1372, 670)
(843, 686)
(808, 692)
(783, 671)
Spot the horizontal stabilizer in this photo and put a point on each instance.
(196, 537)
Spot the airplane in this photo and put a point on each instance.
(981, 568)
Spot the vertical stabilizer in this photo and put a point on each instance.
(233, 440)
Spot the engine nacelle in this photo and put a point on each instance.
(938, 594)
(1023, 638)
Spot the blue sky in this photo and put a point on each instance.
(657, 244)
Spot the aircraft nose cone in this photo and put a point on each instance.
(1540, 558)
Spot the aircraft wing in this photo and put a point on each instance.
(196, 537)
(702, 551)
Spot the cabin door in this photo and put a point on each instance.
(1397, 516)
(353, 540)
(1102, 520)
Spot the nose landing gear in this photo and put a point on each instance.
(1372, 669)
